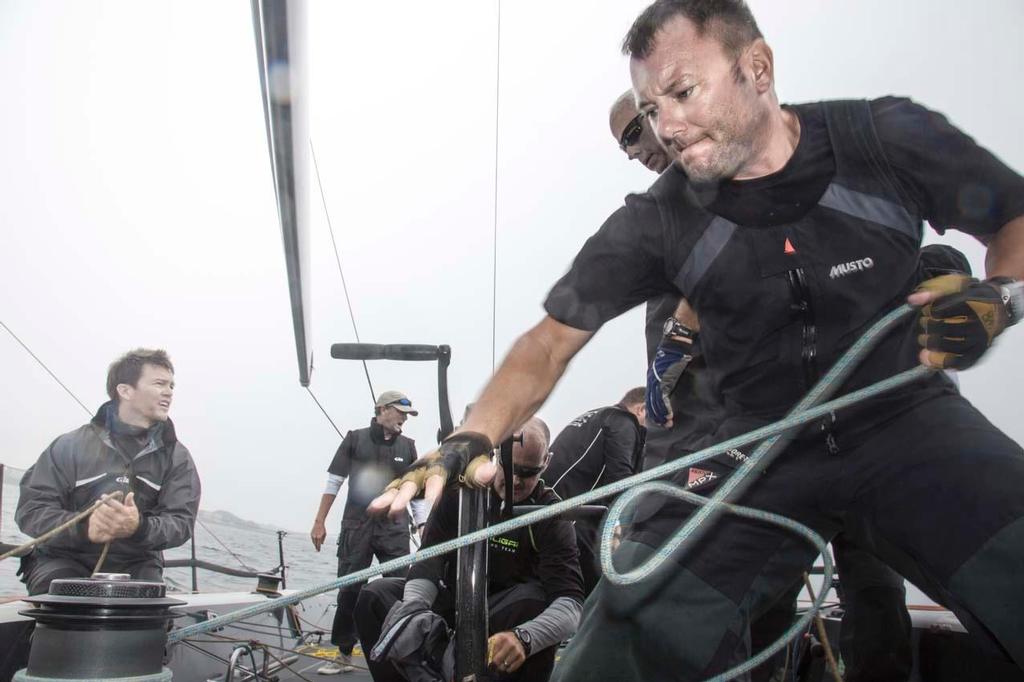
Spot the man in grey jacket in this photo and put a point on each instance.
(130, 446)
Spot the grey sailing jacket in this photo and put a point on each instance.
(81, 465)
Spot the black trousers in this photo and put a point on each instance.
(39, 569)
(937, 493)
(360, 541)
(876, 638)
(506, 609)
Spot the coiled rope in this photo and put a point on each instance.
(710, 508)
(807, 411)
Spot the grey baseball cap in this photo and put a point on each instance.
(398, 400)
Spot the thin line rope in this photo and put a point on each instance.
(337, 259)
(819, 624)
(43, 365)
(786, 424)
(21, 549)
(313, 396)
(226, 548)
(494, 257)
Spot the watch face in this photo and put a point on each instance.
(669, 326)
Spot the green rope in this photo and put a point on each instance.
(711, 508)
(808, 410)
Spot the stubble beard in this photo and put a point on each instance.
(735, 143)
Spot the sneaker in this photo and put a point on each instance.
(343, 664)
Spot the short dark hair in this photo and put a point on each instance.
(730, 21)
(128, 368)
(634, 396)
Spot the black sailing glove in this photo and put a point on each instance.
(670, 361)
(960, 325)
(456, 459)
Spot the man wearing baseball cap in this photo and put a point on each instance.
(368, 458)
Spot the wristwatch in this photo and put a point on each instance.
(1012, 293)
(524, 638)
(677, 329)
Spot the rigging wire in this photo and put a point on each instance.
(494, 259)
(43, 365)
(341, 272)
(311, 395)
(226, 548)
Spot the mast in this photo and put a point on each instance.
(281, 51)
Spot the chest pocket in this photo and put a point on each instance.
(862, 269)
(743, 301)
(147, 487)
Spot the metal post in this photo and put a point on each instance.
(195, 575)
(280, 556)
(471, 590)
(1, 496)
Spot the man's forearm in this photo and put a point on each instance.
(326, 502)
(1005, 255)
(525, 378)
(556, 623)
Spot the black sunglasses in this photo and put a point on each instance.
(404, 402)
(526, 472)
(632, 132)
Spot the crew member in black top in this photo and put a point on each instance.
(368, 458)
(597, 448)
(535, 592)
(875, 639)
(791, 230)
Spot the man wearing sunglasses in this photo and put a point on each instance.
(535, 591)
(597, 448)
(634, 134)
(368, 458)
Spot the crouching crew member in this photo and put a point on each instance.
(535, 591)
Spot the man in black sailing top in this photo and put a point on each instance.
(791, 230)
(875, 639)
(367, 458)
(130, 447)
(534, 588)
(597, 448)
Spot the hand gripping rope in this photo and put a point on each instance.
(807, 410)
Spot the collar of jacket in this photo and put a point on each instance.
(622, 408)
(377, 434)
(163, 431)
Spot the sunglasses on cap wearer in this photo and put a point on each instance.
(526, 472)
(404, 402)
(631, 134)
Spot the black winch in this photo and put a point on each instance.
(108, 627)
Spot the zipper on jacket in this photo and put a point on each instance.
(808, 348)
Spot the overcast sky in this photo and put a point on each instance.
(136, 204)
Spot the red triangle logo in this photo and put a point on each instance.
(788, 248)
(697, 474)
